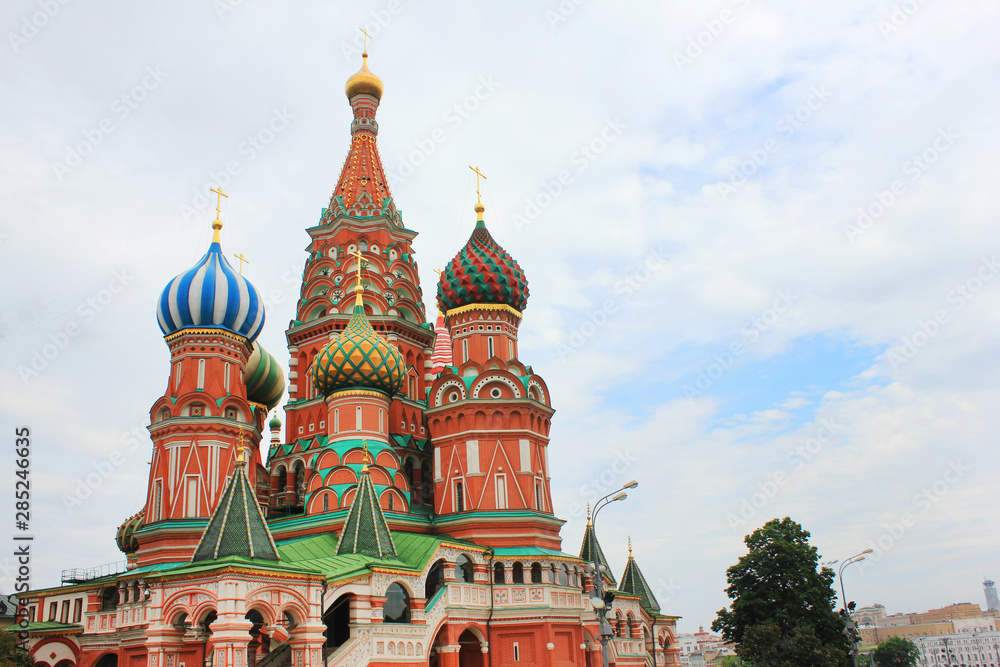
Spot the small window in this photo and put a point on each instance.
(231, 413)
(517, 652)
(397, 605)
(517, 573)
(465, 350)
(538, 496)
(64, 613)
(392, 504)
(459, 498)
(78, 610)
(489, 347)
(536, 573)
(498, 574)
(53, 610)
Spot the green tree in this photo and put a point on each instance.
(896, 652)
(10, 654)
(782, 609)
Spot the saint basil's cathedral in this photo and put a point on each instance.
(405, 518)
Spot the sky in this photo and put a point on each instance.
(760, 238)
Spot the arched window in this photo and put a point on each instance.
(628, 626)
(517, 575)
(435, 579)
(563, 576)
(498, 574)
(459, 497)
(392, 504)
(463, 569)
(536, 573)
(489, 345)
(465, 350)
(326, 502)
(397, 605)
(552, 572)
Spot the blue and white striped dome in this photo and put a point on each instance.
(211, 295)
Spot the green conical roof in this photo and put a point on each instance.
(633, 582)
(237, 526)
(591, 551)
(366, 531)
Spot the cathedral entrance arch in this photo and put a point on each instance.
(337, 620)
(107, 660)
(470, 652)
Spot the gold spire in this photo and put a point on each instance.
(588, 515)
(365, 461)
(629, 546)
(217, 223)
(479, 208)
(242, 260)
(358, 287)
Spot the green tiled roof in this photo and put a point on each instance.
(366, 532)
(319, 553)
(591, 550)
(237, 526)
(46, 627)
(633, 582)
(510, 552)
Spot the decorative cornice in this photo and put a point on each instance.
(484, 306)
(343, 393)
(205, 332)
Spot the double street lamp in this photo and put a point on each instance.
(600, 599)
(851, 628)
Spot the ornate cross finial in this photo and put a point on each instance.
(367, 37)
(367, 459)
(358, 288)
(217, 224)
(242, 260)
(629, 546)
(479, 174)
(588, 514)
(240, 460)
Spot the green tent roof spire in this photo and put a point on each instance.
(237, 526)
(633, 582)
(591, 551)
(366, 531)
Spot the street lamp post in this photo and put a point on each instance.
(599, 599)
(851, 626)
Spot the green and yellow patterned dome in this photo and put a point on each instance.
(263, 377)
(359, 358)
(125, 537)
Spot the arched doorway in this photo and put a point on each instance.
(259, 643)
(337, 620)
(107, 660)
(470, 652)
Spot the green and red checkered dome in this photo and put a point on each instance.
(482, 272)
(125, 536)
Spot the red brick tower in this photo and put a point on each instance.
(489, 414)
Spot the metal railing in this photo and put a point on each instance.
(78, 576)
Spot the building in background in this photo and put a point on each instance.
(990, 589)
(701, 648)
(403, 517)
(965, 618)
(976, 649)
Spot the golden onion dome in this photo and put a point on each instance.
(364, 81)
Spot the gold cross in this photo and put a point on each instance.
(218, 203)
(366, 459)
(242, 259)
(437, 271)
(367, 37)
(479, 174)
